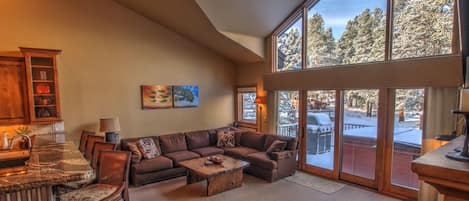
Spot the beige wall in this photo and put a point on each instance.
(254, 74)
(108, 52)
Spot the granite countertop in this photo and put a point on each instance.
(49, 164)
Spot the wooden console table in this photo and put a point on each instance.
(449, 177)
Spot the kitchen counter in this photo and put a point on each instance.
(50, 164)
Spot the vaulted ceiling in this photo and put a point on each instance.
(235, 29)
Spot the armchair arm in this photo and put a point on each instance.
(282, 155)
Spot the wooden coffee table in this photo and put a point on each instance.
(220, 178)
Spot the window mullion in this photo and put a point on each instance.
(305, 38)
(388, 32)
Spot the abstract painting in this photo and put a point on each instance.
(157, 96)
(186, 96)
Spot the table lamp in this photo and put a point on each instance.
(110, 126)
(462, 154)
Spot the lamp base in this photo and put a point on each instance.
(457, 156)
(112, 137)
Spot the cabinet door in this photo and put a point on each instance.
(12, 93)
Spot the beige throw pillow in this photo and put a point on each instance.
(134, 149)
(225, 139)
(148, 148)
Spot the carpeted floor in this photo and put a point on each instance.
(253, 189)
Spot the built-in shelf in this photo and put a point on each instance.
(44, 106)
(42, 66)
(44, 81)
(44, 94)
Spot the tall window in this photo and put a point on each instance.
(338, 34)
(289, 47)
(422, 28)
(287, 113)
(246, 106)
(343, 32)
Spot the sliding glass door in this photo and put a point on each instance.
(350, 135)
(320, 131)
(359, 136)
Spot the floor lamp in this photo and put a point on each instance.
(259, 101)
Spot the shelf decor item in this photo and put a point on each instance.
(111, 127)
(43, 75)
(42, 88)
(186, 96)
(157, 96)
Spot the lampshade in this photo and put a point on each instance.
(464, 100)
(259, 100)
(109, 125)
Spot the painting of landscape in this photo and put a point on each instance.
(157, 96)
(186, 96)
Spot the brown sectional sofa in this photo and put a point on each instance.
(250, 146)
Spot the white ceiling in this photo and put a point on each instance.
(250, 17)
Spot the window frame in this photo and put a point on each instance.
(240, 90)
(302, 12)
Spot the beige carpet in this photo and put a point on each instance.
(253, 189)
(316, 183)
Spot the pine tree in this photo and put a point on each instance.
(378, 26)
(289, 50)
(331, 55)
(422, 28)
(317, 46)
(345, 49)
(364, 39)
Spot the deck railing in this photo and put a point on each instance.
(291, 130)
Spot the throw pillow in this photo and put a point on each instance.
(277, 146)
(225, 139)
(134, 149)
(148, 148)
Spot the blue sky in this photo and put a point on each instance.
(336, 13)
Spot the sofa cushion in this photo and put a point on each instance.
(291, 141)
(239, 152)
(173, 143)
(197, 139)
(253, 140)
(262, 160)
(213, 137)
(208, 151)
(148, 148)
(153, 165)
(182, 156)
(276, 146)
(225, 139)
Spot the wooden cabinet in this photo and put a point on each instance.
(42, 84)
(29, 89)
(13, 98)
